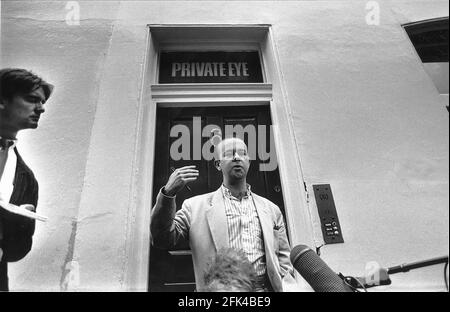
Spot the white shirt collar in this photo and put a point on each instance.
(227, 192)
(8, 163)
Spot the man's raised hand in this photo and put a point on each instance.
(179, 178)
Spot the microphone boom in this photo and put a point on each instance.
(415, 265)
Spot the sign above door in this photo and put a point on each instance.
(210, 67)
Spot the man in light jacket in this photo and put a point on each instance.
(231, 217)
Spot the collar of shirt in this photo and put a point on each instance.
(7, 144)
(8, 163)
(228, 194)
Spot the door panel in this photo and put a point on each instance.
(172, 270)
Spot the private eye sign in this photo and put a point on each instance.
(210, 67)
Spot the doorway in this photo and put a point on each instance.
(172, 270)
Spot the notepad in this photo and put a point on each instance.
(21, 210)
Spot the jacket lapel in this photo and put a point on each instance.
(267, 227)
(266, 222)
(26, 187)
(20, 181)
(217, 220)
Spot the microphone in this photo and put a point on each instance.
(316, 272)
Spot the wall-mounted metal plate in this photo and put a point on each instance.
(331, 228)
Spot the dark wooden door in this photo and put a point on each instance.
(172, 270)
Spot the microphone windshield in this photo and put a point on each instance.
(315, 271)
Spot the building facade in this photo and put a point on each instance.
(350, 101)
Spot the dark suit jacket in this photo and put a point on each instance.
(16, 231)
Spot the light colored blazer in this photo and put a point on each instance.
(202, 221)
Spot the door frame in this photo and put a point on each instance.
(271, 93)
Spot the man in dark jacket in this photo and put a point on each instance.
(22, 96)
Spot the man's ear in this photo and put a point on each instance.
(217, 164)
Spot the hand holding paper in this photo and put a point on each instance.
(23, 210)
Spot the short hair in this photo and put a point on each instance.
(217, 155)
(17, 81)
(230, 270)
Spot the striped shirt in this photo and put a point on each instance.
(244, 228)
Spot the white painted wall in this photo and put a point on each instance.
(368, 120)
(35, 36)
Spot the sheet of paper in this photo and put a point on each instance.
(21, 210)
